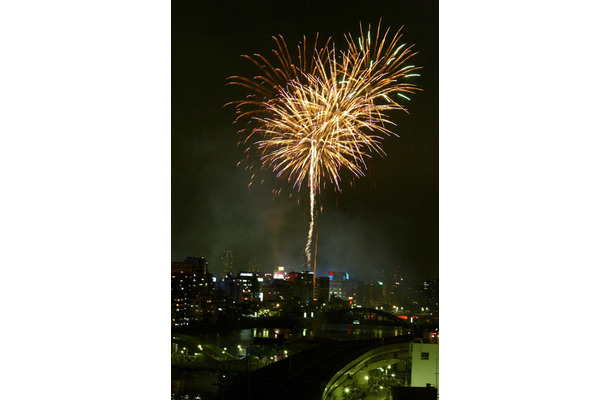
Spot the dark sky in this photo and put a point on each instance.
(388, 218)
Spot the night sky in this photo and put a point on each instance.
(388, 218)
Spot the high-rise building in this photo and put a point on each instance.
(336, 286)
(253, 264)
(182, 286)
(227, 262)
(359, 289)
(429, 296)
(322, 289)
(302, 286)
(374, 294)
(248, 287)
(422, 296)
(191, 287)
(397, 288)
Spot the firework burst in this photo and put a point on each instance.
(308, 122)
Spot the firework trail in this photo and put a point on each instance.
(308, 122)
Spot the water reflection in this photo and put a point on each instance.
(241, 343)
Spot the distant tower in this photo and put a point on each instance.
(227, 262)
(253, 264)
(396, 287)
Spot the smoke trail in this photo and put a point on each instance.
(312, 200)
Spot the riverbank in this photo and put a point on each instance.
(242, 323)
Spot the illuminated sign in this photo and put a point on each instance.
(278, 275)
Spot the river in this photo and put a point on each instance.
(201, 384)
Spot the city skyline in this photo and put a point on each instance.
(246, 264)
(87, 167)
(388, 218)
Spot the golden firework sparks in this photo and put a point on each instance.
(309, 121)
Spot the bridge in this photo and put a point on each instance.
(363, 316)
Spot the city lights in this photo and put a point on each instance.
(322, 140)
